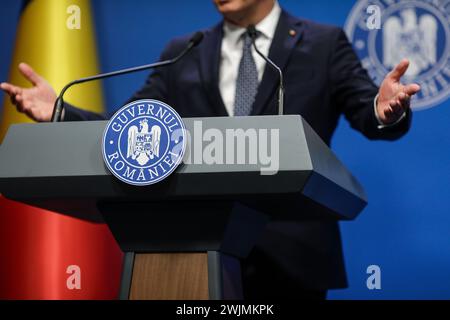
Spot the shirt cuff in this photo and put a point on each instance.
(382, 125)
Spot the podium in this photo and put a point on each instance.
(183, 237)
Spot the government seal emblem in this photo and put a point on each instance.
(416, 30)
(144, 142)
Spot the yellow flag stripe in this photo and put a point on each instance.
(57, 52)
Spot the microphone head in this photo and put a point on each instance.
(251, 30)
(196, 38)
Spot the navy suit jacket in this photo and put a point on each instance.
(323, 79)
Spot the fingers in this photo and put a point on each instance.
(13, 99)
(30, 74)
(21, 104)
(16, 94)
(398, 105)
(24, 106)
(401, 101)
(10, 89)
(399, 70)
(18, 102)
(388, 113)
(411, 89)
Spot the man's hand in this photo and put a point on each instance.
(393, 97)
(36, 102)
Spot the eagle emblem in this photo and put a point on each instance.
(143, 144)
(410, 37)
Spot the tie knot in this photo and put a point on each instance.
(247, 40)
(248, 37)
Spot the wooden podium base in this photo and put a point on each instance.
(180, 276)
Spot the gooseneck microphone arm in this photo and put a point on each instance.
(251, 30)
(59, 103)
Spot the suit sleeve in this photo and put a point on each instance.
(72, 113)
(353, 93)
(155, 87)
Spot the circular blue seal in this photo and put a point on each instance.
(144, 142)
(418, 30)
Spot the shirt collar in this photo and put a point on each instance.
(266, 27)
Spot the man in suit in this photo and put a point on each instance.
(223, 76)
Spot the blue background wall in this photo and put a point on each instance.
(405, 228)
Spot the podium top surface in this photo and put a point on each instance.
(47, 163)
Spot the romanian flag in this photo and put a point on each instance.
(43, 254)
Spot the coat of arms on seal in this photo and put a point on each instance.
(144, 142)
(417, 30)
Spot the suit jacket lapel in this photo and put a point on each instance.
(210, 51)
(287, 34)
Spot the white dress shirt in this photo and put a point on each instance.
(231, 54)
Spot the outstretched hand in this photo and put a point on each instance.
(36, 102)
(394, 98)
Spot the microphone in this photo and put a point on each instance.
(251, 30)
(59, 103)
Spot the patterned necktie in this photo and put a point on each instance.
(247, 80)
